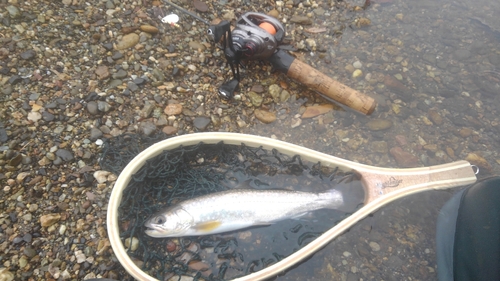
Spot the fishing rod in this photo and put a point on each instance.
(257, 36)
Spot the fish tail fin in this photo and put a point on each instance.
(352, 195)
(332, 199)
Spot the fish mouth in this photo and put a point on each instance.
(155, 233)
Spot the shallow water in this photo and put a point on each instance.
(447, 55)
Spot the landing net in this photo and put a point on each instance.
(190, 171)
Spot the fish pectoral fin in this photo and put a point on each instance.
(207, 226)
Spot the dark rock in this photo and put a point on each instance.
(92, 107)
(47, 116)
(57, 161)
(148, 127)
(4, 70)
(108, 46)
(34, 96)
(175, 71)
(103, 106)
(120, 74)
(201, 122)
(91, 97)
(117, 55)
(95, 134)
(28, 55)
(14, 79)
(17, 240)
(16, 160)
(65, 154)
(132, 86)
(29, 252)
(27, 238)
(13, 217)
(3, 135)
(139, 81)
(51, 105)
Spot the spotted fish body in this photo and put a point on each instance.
(236, 209)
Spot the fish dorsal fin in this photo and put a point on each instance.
(207, 226)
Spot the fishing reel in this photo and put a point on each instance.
(255, 37)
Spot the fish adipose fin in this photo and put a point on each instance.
(208, 226)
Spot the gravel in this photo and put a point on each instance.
(73, 73)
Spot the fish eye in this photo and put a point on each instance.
(159, 220)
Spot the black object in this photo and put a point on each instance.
(468, 234)
(247, 41)
(227, 89)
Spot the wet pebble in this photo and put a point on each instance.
(127, 41)
(102, 72)
(255, 98)
(149, 29)
(132, 243)
(397, 87)
(173, 109)
(478, 160)
(34, 116)
(49, 219)
(265, 116)
(316, 110)
(379, 124)
(301, 20)
(374, 246)
(170, 130)
(435, 117)
(404, 158)
(101, 176)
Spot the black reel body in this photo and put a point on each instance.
(255, 37)
(257, 42)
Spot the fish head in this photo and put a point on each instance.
(172, 222)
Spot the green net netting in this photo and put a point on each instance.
(190, 171)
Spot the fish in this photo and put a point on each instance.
(237, 209)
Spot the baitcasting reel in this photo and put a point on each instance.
(255, 37)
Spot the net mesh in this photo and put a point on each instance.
(190, 171)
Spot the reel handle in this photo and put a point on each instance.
(318, 81)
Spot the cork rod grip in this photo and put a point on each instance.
(329, 87)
